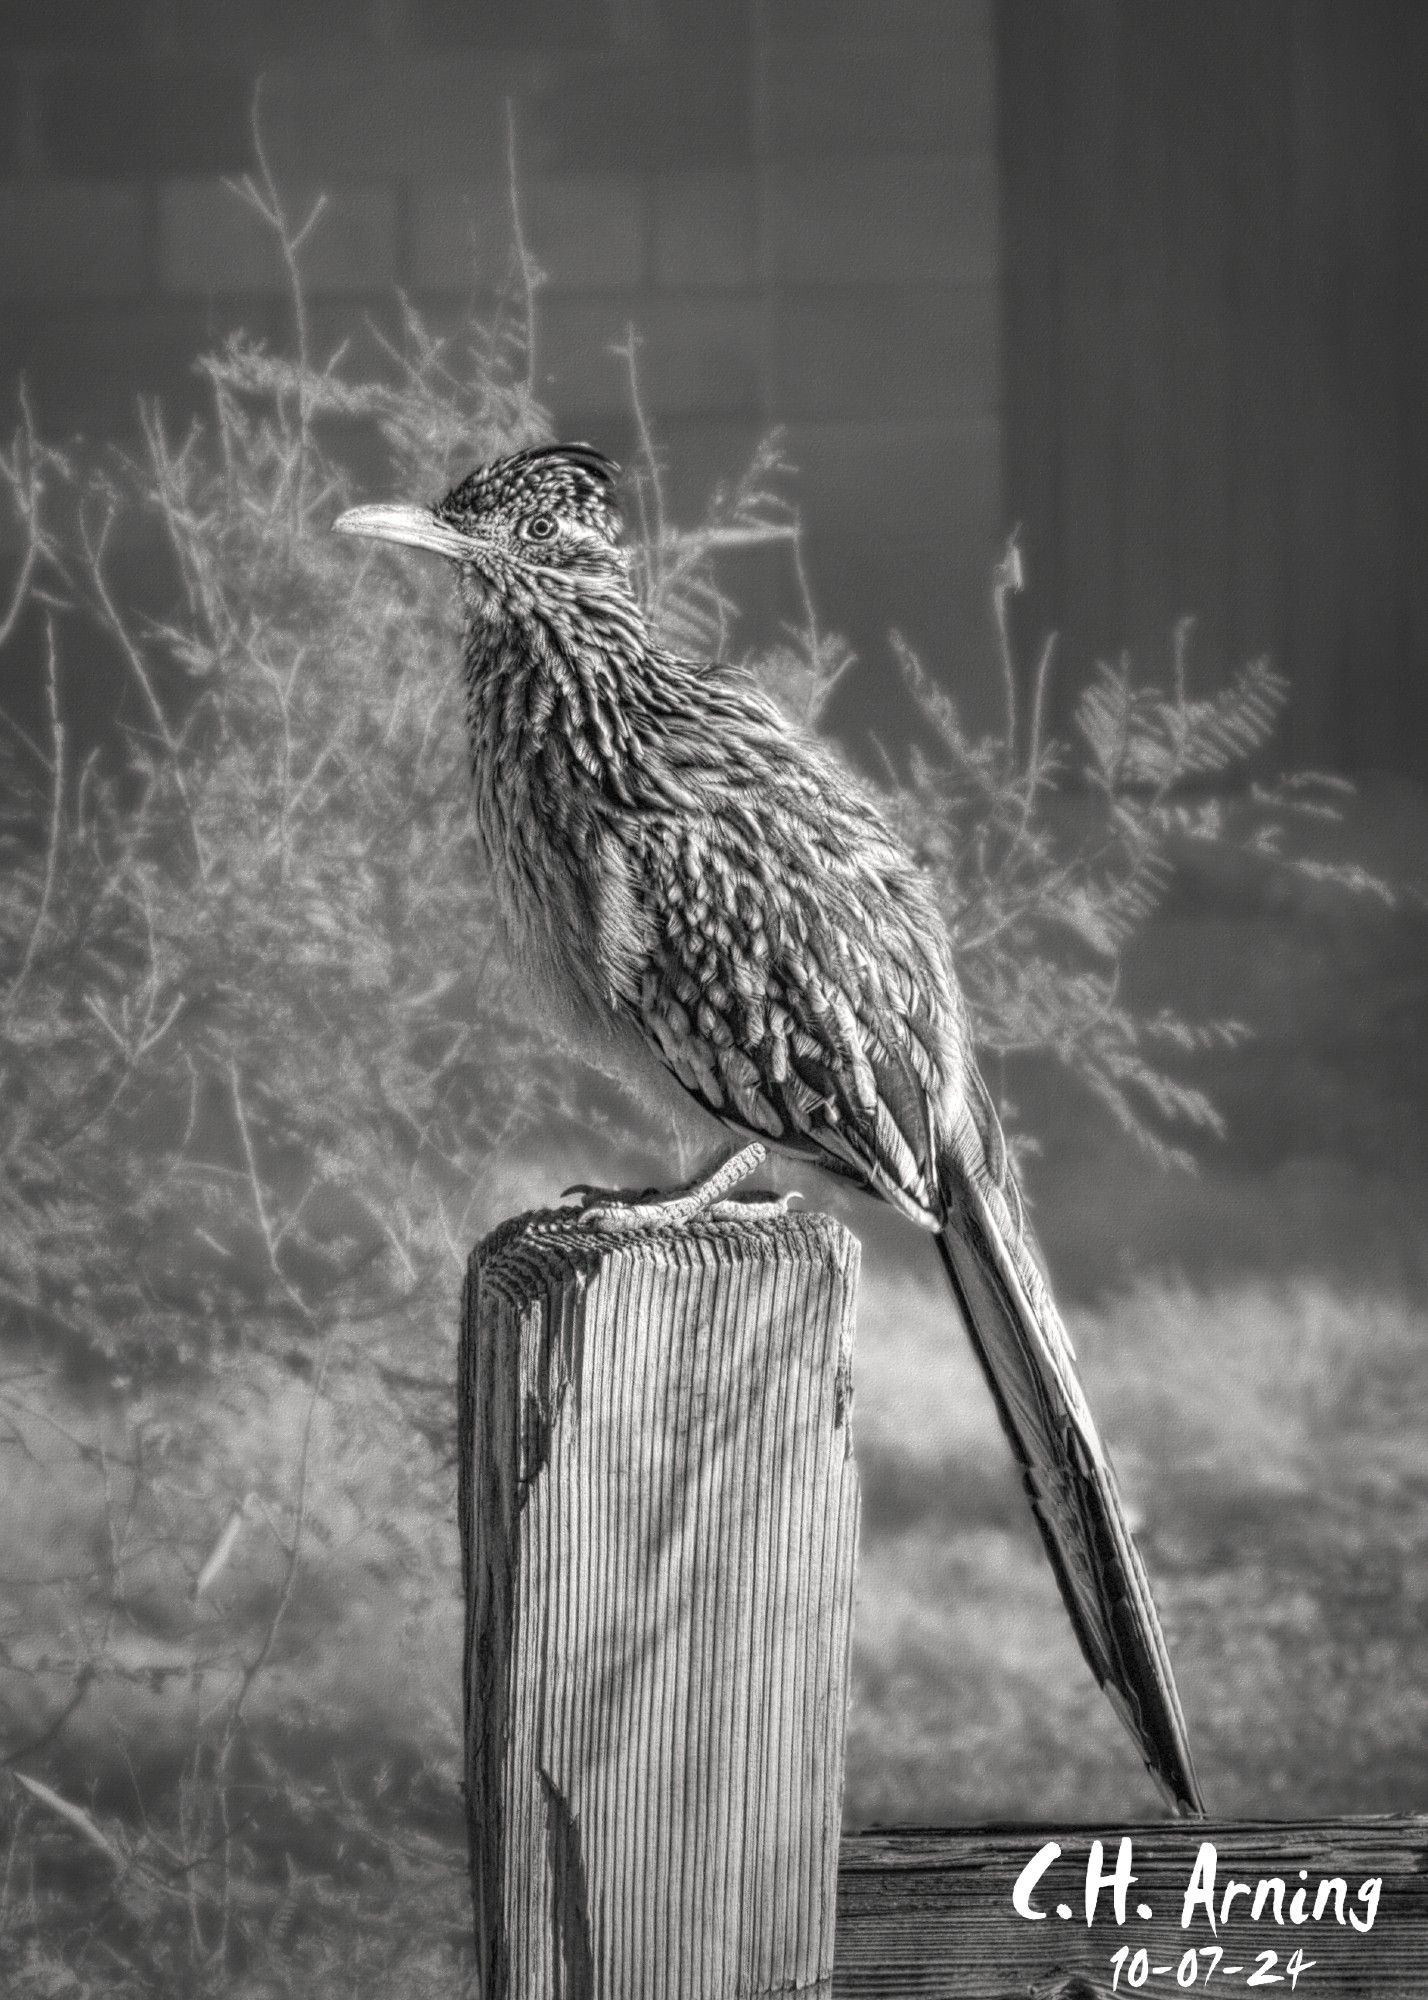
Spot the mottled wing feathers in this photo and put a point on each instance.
(795, 979)
(774, 991)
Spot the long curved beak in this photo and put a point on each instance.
(414, 527)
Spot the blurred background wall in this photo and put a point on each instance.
(794, 202)
(1215, 247)
(1148, 280)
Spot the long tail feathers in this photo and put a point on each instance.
(1031, 1370)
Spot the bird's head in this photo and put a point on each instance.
(530, 525)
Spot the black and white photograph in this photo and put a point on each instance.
(713, 998)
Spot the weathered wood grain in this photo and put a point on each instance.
(659, 1515)
(929, 1914)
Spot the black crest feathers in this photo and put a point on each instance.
(570, 481)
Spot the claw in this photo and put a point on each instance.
(642, 1214)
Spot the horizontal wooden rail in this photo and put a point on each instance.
(659, 1511)
(929, 1915)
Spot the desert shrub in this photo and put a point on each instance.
(1045, 923)
(263, 1068)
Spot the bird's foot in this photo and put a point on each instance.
(618, 1211)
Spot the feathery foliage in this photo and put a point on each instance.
(263, 1069)
(1044, 916)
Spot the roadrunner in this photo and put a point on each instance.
(708, 897)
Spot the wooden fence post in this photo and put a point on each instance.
(659, 1513)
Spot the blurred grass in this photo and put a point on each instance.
(1255, 1343)
(1270, 1439)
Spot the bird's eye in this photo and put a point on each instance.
(540, 528)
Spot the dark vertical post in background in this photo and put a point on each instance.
(1143, 160)
(1216, 327)
(1256, 170)
(1092, 485)
(1314, 641)
(1408, 366)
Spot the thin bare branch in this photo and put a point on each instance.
(56, 820)
(266, 198)
(73, 1815)
(528, 271)
(95, 547)
(293, 1546)
(1007, 582)
(628, 350)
